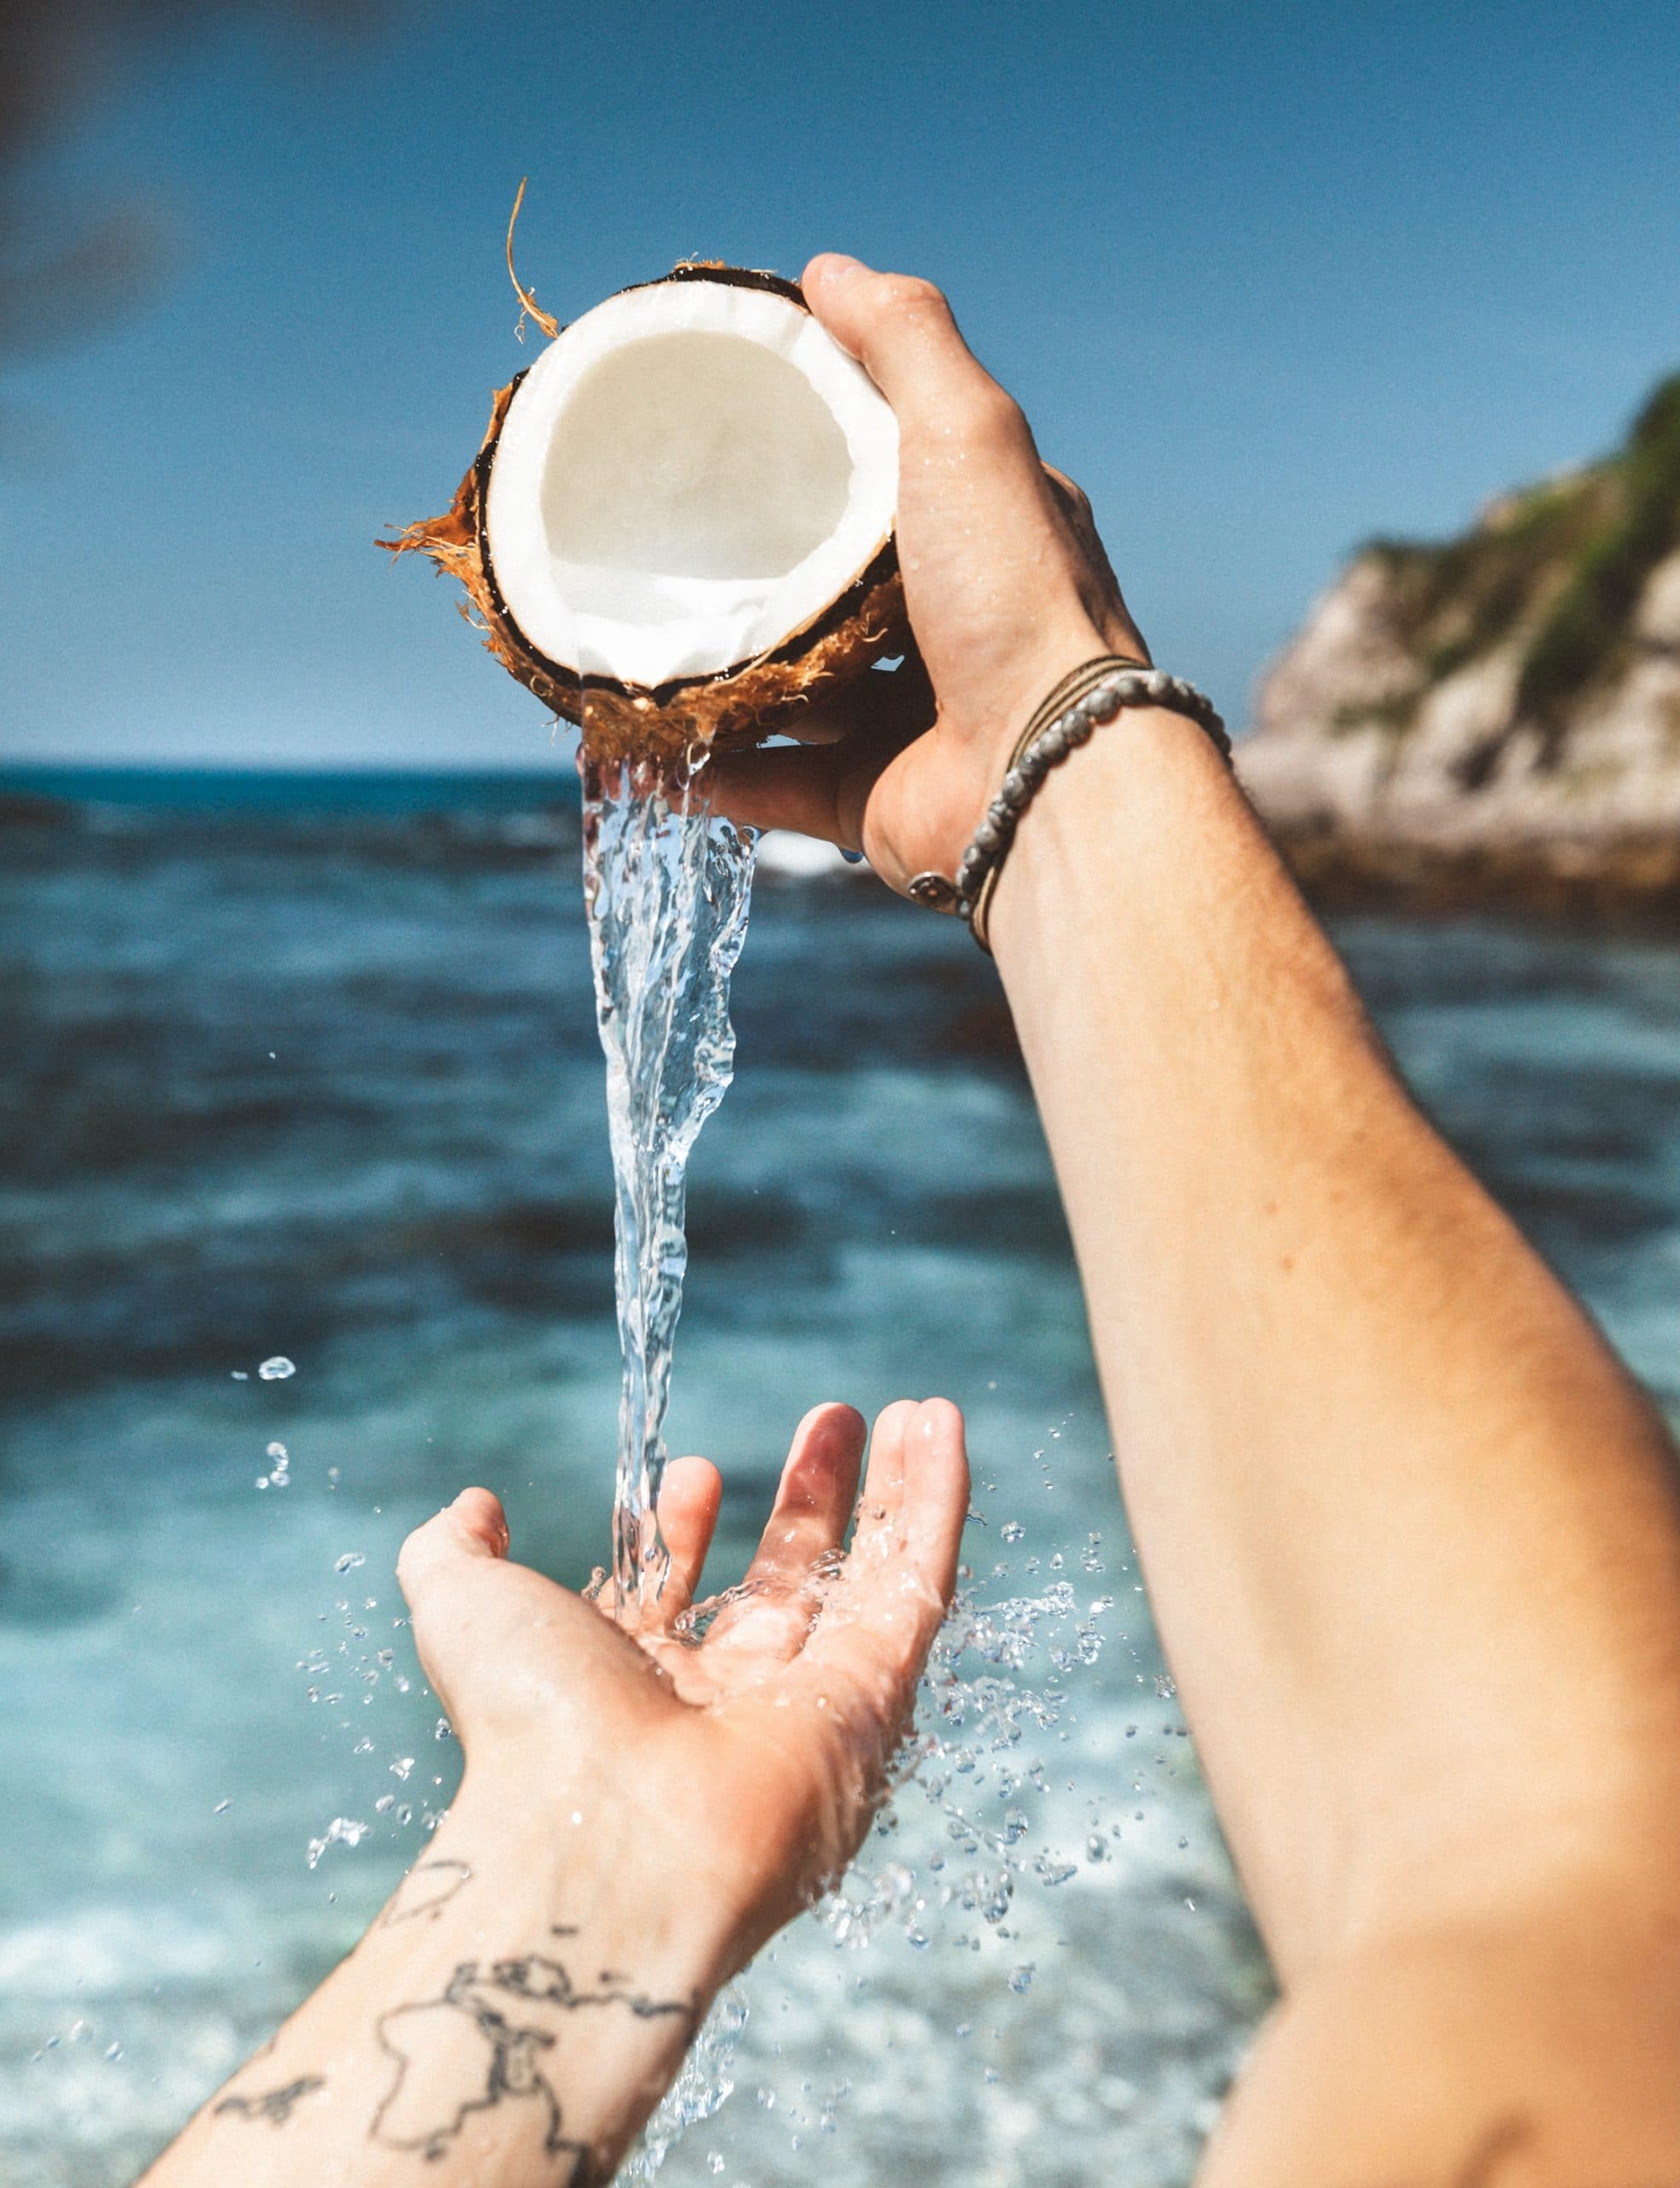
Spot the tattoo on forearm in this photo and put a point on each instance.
(426, 1890)
(439, 2082)
(274, 2105)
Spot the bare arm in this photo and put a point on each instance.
(1408, 1528)
(1410, 1531)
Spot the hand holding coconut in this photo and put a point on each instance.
(1006, 585)
(696, 522)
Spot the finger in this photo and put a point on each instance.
(786, 786)
(819, 789)
(1072, 495)
(474, 1527)
(933, 1503)
(883, 1483)
(877, 1630)
(813, 1500)
(901, 330)
(821, 786)
(772, 1613)
(897, 701)
(689, 1499)
(1102, 598)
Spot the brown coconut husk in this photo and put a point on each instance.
(741, 705)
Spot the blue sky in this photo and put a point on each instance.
(1268, 278)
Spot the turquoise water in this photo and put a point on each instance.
(308, 1075)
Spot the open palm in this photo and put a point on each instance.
(749, 1737)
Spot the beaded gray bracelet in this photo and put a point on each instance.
(1094, 693)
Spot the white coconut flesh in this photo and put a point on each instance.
(686, 478)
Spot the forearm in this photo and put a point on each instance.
(1394, 1496)
(512, 2017)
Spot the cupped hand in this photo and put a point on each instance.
(1007, 585)
(735, 1751)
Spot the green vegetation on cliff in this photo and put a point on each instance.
(1557, 570)
(1587, 625)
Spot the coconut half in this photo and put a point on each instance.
(679, 528)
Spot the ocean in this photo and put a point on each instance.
(306, 1070)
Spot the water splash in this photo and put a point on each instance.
(667, 885)
(974, 1865)
(705, 2081)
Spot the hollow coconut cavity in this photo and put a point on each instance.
(685, 510)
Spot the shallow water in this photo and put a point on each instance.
(328, 1086)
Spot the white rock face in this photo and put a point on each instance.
(1456, 773)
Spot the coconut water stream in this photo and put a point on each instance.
(667, 884)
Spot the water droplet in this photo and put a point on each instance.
(1013, 1531)
(278, 1452)
(113, 2051)
(277, 1369)
(222, 1808)
(343, 1830)
(402, 1765)
(349, 1562)
(1020, 1979)
(1095, 1849)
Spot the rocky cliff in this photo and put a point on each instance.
(1497, 718)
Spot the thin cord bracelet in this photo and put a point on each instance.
(1094, 692)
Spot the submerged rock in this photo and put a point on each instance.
(1496, 718)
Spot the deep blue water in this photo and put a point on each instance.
(311, 1069)
(364, 790)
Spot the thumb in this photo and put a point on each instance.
(475, 1527)
(900, 329)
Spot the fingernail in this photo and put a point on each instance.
(839, 266)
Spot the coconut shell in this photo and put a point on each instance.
(741, 706)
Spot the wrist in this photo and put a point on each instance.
(1032, 673)
(1111, 831)
(924, 812)
(605, 1869)
(535, 1959)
